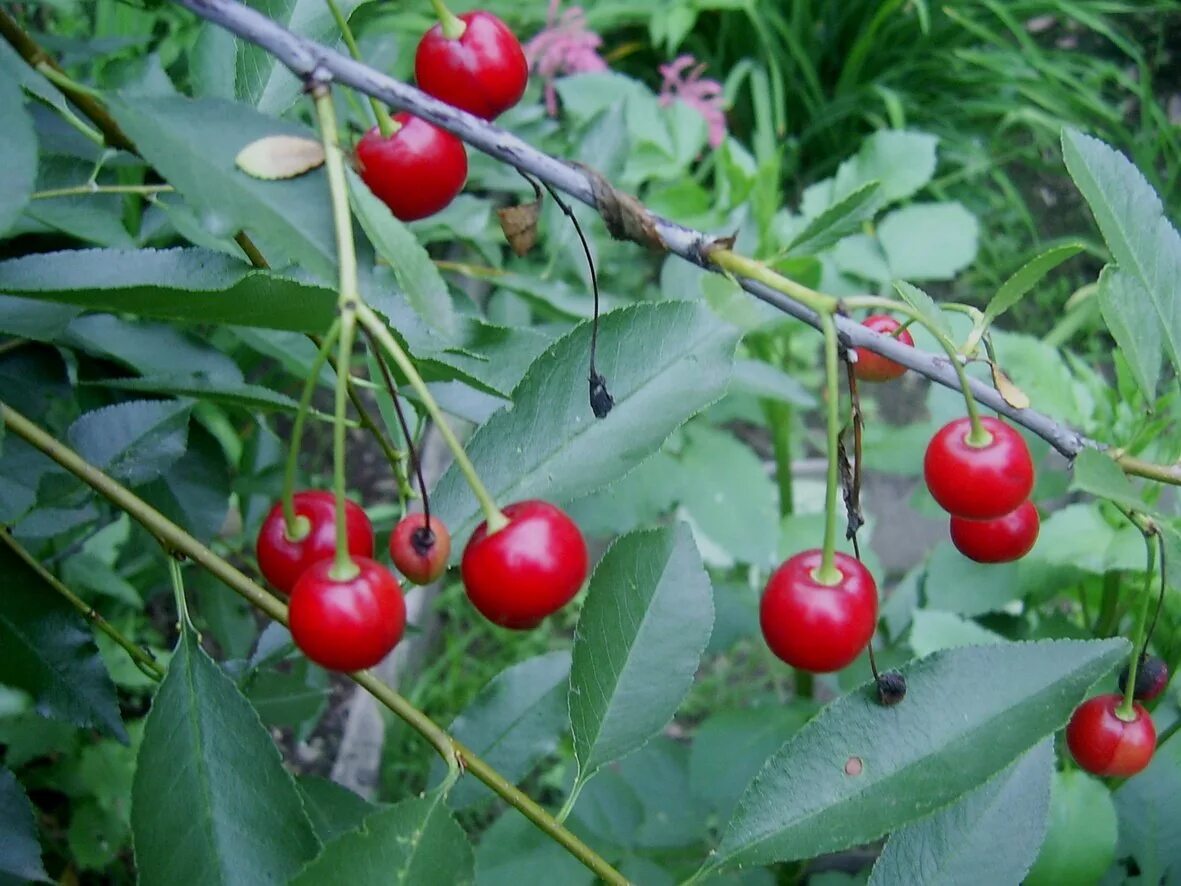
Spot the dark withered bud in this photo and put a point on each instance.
(1152, 676)
(891, 688)
(601, 400)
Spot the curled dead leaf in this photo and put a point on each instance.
(280, 156)
(1011, 394)
(519, 224)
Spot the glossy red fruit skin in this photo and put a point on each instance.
(529, 569)
(483, 72)
(347, 625)
(282, 561)
(1002, 540)
(875, 367)
(1103, 744)
(818, 627)
(420, 564)
(978, 483)
(417, 171)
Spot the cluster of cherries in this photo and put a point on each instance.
(419, 168)
(515, 576)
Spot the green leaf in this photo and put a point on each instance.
(924, 304)
(664, 361)
(20, 853)
(513, 851)
(26, 318)
(646, 620)
(901, 162)
(150, 348)
(731, 746)
(1132, 220)
(771, 383)
(731, 502)
(172, 284)
(18, 147)
(1080, 843)
(262, 79)
(192, 143)
(1097, 474)
(838, 220)
(1149, 828)
(1028, 276)
(333, 809)
(211, 802)
(932, 630)
(49, 651)
(134, 442)
(942, 741)
(929, 241)
(959, 843)
(415, 841)
(1127, 310)
(417, 275)
(956, 584)
(514, 721)
(194, 492)
(246, 396)
(293, 698)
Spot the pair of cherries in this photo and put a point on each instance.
(419, 169)
(984, 488)
(1104, 743)
(515, 576)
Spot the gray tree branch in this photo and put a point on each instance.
(625, 217)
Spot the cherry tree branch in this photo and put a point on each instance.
(626, 218)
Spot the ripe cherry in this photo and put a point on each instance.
(529, 569)
(347, 625)
(978, 482)
(416, 171)
(282, 560)
(420, 551)
(483, 71)
(814, 626)
(1001, 540)
(1152, 676)
(874, 367)
(1103, 744)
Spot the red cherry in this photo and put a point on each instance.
(529, 569)
(420, 553)
(347, 625)
(814, 626)
(1103, 744)
(874, 367)
(483, 72)
(978, 482)
(416, 171)
(1001, 540)
(282, 561)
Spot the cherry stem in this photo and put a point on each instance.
(601, 400)
(142, 658)
(348, 301)
(978, 436)
(453, 26)
(1126, 711)
(295, 527)
(384, 124)
(827, 573)
(415, 462)
(374, 326)
(742, 266)
(93, 188)
(179, 540)
(183, 620)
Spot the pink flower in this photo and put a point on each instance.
(683, 82)
(565, 46)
